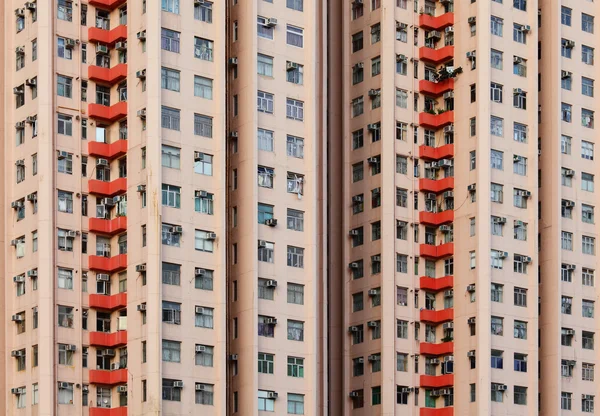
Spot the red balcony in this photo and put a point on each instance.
(436, 23)
(436, 88)
(428, 411)
(112, 188)
(436, 153)
(435, 285)
(437, 317)
(109, 37)
(435, 121)
(436, 252)
(107, 4)
(108, 114)
(110, 227)
(107, 75)
(436, 56)
(108, 264)
(115, 411)
(444, 348)
(108, 377)
(110, 303)
(435, 382)
(108, 339)
(434, 185)
(107, 150)
(430, 218)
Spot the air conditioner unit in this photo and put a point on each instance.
(373, 292)
(115, 366)
(353, 265)
(430, 196)
(499, 220)
(102, 49)
(435, 392)
(372, 160)
(374, 93)
(354, 233)
(30, 119)
(373, 126)
(141, 74)
(31, 82)
(434, 361)
(102, 162)
(290, 66)
(72, 234)
(20, 12)
(446, 163)
(109, 202)
(502, 387)
(271, 222)
(570, 44)
(372, 324)
(63, 385)
(14, 242)
(374, 357)
(271, 321)
(200, 348)
(568, 204)
(121, 46)
(471, 288)
(30, 5)
(233, 357)
(569, 266)
(18, 90)
(569, 172)
(108, 352)
(141, 307)
(448, 325)
(569, 332)
(20, 50)
(357, 199)
(271, 22)
(199, 271)
(566, 74)
(140, 268)
(448, 95)
(472, 187)
(31, 197)
(122, 389)
(17, 318)
(376, 259)
(434, 34)
(526, 194)
(271, 283)
(262, 244)
(357, 2)
(178, 229)
(359, 65)
(526, 259)
(471, 55)
(517, 91)
(199, 310)
(19, 279)
(353, 329)
(102, 277)
(71, 347)
(353, 394)
(517, 60)
(449, 293)
(141, 113)
(448, 358)
(211, 236)
(448, 194)
(503, 254)
(272, 394)
(141, 35)
(527, 28)
(178, 384)
(17, 390)
(16, 204)
(32, 273)
(445, 392)
(17, 353)
(449, 29)
(62, 155)
(445, 228)
(400, 57)
(198, 156)
(233, 134)
(141, 188)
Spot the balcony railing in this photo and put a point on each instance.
(107, 75)
(436, 284)
(108, 302)
(105, 36)
(108, 377)
(107, 339)
(107, 4)
(108, 114)
(108, 264)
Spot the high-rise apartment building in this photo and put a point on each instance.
(294, 207)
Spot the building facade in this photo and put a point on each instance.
(319, 208)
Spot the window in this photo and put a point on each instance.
(519, 4)
(170, 40)
(265, 65)
(496, 59)
(566, 305)
(520, 329)
(266, 289)
(266, 251)
(265, 102)
(402, 329)
(65, 202)
(497, 26)
(357, 42)
(497, 325)
(265, 140)
(171, 313)
(203, 87)
(169, 391)
(63, 50)
(203, 11)
(497, 159)
(566, 400)
(520, 362)
(295, 36)
(171, 274)
(65, 316)
(265, 401)
(295, 293)
(65, 277)
(265, 363)
(65, 393)
(587, 403)
(264, 31)
(496, 126)
(203, 164)
(497, 360)
(496, 92)
(295, 367)
(587, 55)
(587, 308)
(295, 256)
(64, 86)
(170, 118)
(204, 355)
(65, 125)
(587, 372)
(520, 395)
(171, 6)
(204, 317)
(170, 79)
(587, 86)
(588, 245)
(587, 23)
(565, 16)
(357, 302)
(519, 33)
